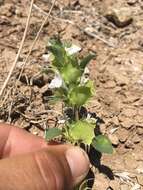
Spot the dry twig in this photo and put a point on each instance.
(53, 17)
(93, 35)
(19, 51)
(36, 38)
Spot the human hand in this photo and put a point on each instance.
(27, 162)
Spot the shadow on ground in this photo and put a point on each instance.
(95, 157)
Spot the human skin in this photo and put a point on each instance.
(27, 162)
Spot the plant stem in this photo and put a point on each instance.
(76, 113)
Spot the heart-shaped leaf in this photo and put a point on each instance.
(82, 131)
(70, 73)
(52, 133)
(79, 95)
(102, 144)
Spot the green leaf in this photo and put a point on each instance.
(57, 49)
(67, 44)
(60, 92)
(51, 133)
(72, 59)
(79, 95)
(90, 84)
(48, 71)
(82, 131)
(56, 41)
(59, 55)
(102, 144)
(86, 60)
(70, 74)
(54, 99)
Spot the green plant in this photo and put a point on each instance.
(72, 88)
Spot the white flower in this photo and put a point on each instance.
(61, 121)
(86, 71)
(57, 82)
(91, 119)
(73, 49)
(46, 57)
(85, 76)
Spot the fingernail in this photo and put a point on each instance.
(78, 162)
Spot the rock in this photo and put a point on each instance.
(129, 144)
(139, 120)
(122, 134)
(115, 120)
(120, 17)
(19, 12)
(117, 89)
(127, 123)
(140, 179)
(136, 139)
(140, 130)
(114, 139)
(132, 2)
(71, 31)
(103, 128)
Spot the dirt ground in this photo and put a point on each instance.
(113, 30)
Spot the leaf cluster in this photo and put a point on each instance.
(74, 93)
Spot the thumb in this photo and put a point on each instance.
(54, 168)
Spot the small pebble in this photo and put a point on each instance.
(120, 17)
(114, 139)
(132, 2)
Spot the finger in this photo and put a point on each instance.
(53, 168)
(14, 141)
